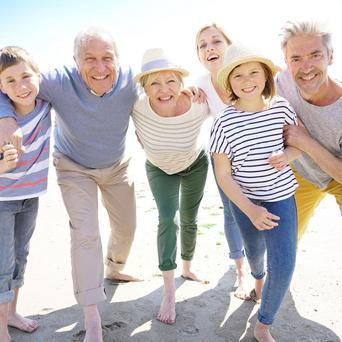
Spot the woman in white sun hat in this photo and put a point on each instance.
(251, 166)
(168, 125)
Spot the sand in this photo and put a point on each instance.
(311, 311)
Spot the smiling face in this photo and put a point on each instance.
(307, 59)
(21, 84)
(97, 64)
(163, 90)
(247, 81)
(211, 47)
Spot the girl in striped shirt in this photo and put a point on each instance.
(251, 167)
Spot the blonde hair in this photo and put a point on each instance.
(269, 90)
(144, 80)
(307, 28)
(218, 28)
(13, 55)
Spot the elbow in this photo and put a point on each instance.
(222, 179)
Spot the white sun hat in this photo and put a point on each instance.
(237, 54)
(155, 60)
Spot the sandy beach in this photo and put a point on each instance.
(312, 310)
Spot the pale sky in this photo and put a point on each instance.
(46, 29)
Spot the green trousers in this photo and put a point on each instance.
(181, 191)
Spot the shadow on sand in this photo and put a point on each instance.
(204, 318)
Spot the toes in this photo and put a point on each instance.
(166, 320)
(33, 325)
(242, 295)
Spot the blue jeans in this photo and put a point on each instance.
(280, 244)
(231, 228)
(17, 223)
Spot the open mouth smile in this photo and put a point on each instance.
(212, 58)
(24, 95)
(248, 90)
(307, 78)
(165, 98)
(99, 78)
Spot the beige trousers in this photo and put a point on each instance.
(79, 187)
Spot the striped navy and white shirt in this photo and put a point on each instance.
(248, 139)
(29, 178)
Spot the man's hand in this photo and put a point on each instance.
(297, 136)
(262, 219)
(11, 133)
(196, 94)
(278, 159)
(10, 156)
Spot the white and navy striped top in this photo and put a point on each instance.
(29, 178)
(248, 139)
(170, 143)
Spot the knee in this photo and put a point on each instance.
(84, 238)
(168, 223)
(189, 221)
(189, 226)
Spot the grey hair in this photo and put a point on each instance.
(310, 28)
(89, 33)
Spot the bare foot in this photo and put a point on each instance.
(262, 333)
(118, 276)
(241, 292)
(167, 311)
(24, 324)
(188, 275)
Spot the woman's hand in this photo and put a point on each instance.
(196, 94)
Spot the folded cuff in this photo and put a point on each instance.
(113, 266)
(91, 297)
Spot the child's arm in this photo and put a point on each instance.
(259, 216)
(280, 159)
(10, 158)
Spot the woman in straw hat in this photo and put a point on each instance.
(251, 166)
(168, 125)
(211, 44)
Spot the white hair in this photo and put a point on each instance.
(310, 28)
(89, 33)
